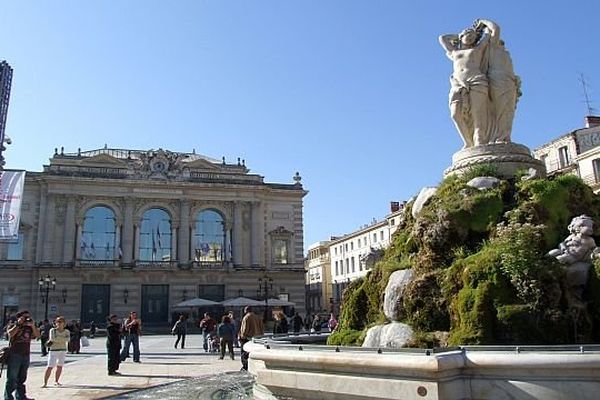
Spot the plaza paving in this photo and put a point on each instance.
(85, 375)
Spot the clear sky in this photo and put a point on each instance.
(352, 94)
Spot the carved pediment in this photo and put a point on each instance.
(104, 160)
(281, 231)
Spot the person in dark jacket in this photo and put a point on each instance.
(180, 329)
(226, 332)
(113, 344)
(297, 323)
(281, 324)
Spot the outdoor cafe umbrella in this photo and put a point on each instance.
(241, 302)
(196, 302)
(279, 303)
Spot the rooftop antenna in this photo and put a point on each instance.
(591, 110)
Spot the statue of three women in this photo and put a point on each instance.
(484, 88)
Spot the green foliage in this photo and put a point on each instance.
(481, 170)
(480, 267)
(346, 337)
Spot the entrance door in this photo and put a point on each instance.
(95, 303)
(155, 304)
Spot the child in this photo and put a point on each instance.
(215, 343)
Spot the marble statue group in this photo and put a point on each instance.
(484, 88)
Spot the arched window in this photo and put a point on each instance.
(98, 234)
(155, 236)
(209, 237)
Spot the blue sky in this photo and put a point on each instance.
(352, 94)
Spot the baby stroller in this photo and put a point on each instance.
(215, 344)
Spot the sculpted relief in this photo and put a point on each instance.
(483, 86)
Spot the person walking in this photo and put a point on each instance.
(252, 325)
(57, 344)
(44, 335)
(226, 332)
(133, 331)
(180, 329)
(19, 336)
(297, 323)
(236, 326)
(281, 324)
(74, 328)
(316, 324)
(332, 323)
(92, 329)
(113, 344)
(207, 326)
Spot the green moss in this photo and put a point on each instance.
(480, 269)
(346, 337)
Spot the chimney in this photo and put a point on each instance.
(394, 206)
(592, 121)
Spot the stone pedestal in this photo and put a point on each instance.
(507, 158)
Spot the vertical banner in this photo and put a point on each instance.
(11, 195)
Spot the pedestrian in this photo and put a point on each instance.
(113, 344)
(236, 325)
(332, 323)
(44, 335)
(92, 329)
(281, 325)
(308, 322)
(316, 324)
(57, 345)
(19, 336)
(297, 323)
(252, 325)
(207, 326)
(75, 337)
(133, 331)
(226, 332)
(180, 329)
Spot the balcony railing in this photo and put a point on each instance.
(171, 264)
(96, 263)
(210, 265)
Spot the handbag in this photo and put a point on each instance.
(85, 341)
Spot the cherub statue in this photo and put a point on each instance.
(579, 245)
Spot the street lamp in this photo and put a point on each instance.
(265, 288)
(46, 284)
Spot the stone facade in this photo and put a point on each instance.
(318, 278)
(258, 228)
(577, 152)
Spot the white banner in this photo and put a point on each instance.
(11, 195)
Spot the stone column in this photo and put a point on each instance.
(136, 236)
(173, 242)
(78, 233)
(237, 233)
(257, 240)
(49, 229)
(126, 242)
(70, 232)
(183, 253)
(118, 227)
(39, 248)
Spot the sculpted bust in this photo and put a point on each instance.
(579, 245)
(483, 86)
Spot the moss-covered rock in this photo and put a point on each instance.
(480, 267)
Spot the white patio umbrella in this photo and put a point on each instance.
(242, 302)
(196, 302)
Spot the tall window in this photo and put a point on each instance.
(15, 249)
(155, 236)
(596, 164)
(563, 157)
(280, 251)
(209, 238)
(98, 234)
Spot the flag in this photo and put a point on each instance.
(83, 249)
(92, 251)
(107, 251)
(120, 252)
(153, 247)
(158, 238)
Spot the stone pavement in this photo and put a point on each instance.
(85, 375)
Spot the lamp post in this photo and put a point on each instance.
(265, 288)
(46, 284)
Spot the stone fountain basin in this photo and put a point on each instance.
(470, 372)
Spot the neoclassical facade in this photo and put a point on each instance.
(124, 230)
